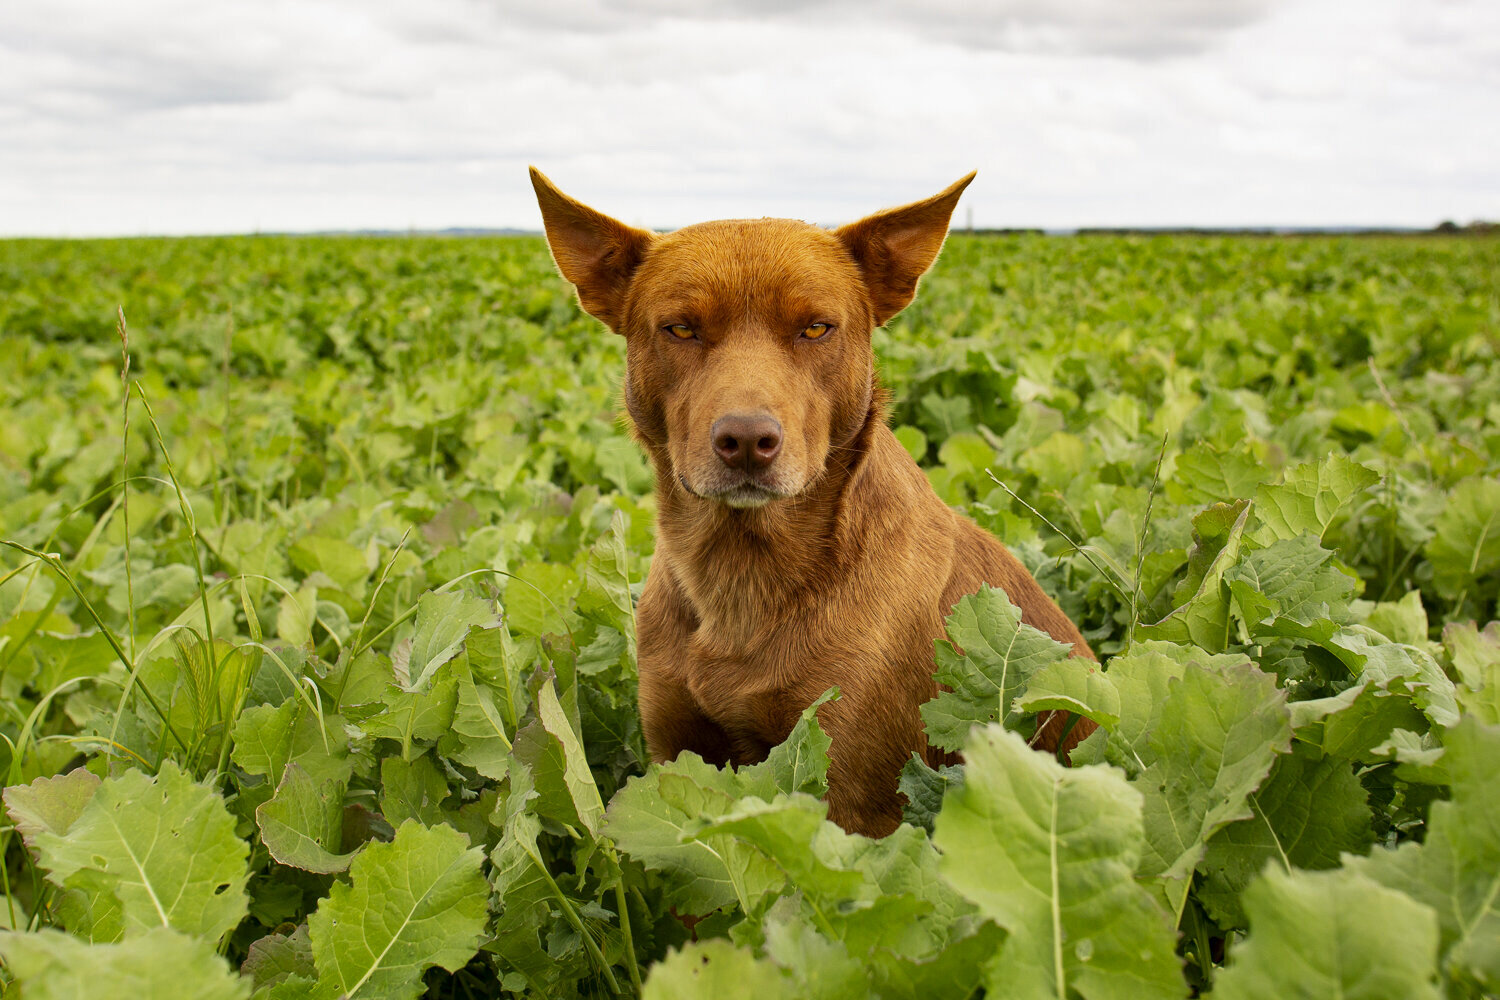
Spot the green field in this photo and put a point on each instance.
(317, 635)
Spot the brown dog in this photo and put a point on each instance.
(798, 545)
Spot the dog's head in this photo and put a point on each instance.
(747, 341)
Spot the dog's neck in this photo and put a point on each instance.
(733, 567)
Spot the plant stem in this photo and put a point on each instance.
(1081, 550)
(192, 527)
(1140, 546)
(631, 966)
(52, 561)
(124, 332)
(573, 918)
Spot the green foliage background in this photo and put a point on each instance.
(323, 670)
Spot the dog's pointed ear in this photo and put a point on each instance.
(594, 252)
(895, 248)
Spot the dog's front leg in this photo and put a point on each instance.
(672, 722)
(671, 718)
(871, 739)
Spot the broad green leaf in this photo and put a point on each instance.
(90, 911)
(295, 987)
(269, 737)
(1308, 811)
(621, 462)
(564, 725)
(417, 715)
(800, 762)
(787, 831)
(826, 967)
(169, 586)
(1056, 461)
(605, 597)
(303, 823)
(924, 788)
(1213, 528)
(496, 660)
(478, 736)
(1421, 756)
(50, 805)
(1214, 741)
(1073, 685)
(298, 612)
(1476, 659)
(820, 966)
(1349, 724)
(275, 899)
(1050, 854)
(714, 969)
(1133, 692)
(161, 962)
(1382, 662)
(966, 454)
(650, 816)
(362, 683)
(903, 862)
(1205, 475)
(412, 790)
(1400, 621)
(522, 887)
(1456, 869)
(443, 623)
(604, 652)
(988, 658)
(1290, 589)
(344, 565)
(164, 846)
(529, 911)
(1331, 934)
(913, 440)
(416, 902)
(1203, 618)
(550, 747)
(535, 597)
(902, 909)
(1370, 419)
(1308, 498)
(950, 413)
(278, 957)
(611, 725)
(531, 933)
(1466, 545)
(956, 971)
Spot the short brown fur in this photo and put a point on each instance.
(833, 565)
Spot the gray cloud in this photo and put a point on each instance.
(171, 116)
(1138, 29)
(1143, 29)
(82, 58)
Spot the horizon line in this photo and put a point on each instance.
(1445, 227)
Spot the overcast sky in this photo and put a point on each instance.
(192, 116)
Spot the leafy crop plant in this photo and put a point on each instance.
(317, 640)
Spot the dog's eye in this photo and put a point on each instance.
(680, 331)
(817, 330)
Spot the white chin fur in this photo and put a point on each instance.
(744, 497)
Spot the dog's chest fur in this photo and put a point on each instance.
(775, 611)
(739, 657)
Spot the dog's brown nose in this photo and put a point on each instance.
(747, 442)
